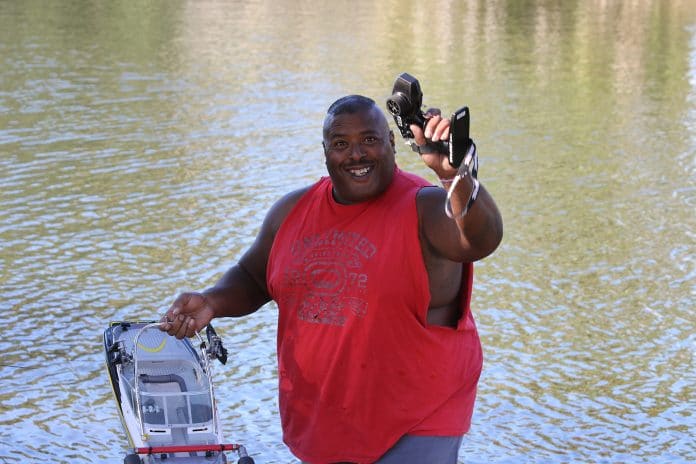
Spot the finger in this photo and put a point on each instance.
(168, 318)
(170, 324)
(418, 136)
(441, 131)
(191, 329)
(431, 126)
(165, 322)
(173, 327)
(181, 326)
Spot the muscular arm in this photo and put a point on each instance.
(447, 242)
(242, 289)
(466, 239)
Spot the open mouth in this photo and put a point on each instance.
(359, 172)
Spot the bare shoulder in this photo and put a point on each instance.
(290, 199)
(254, 260)
(286, 203)
(280, 210)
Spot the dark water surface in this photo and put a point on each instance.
(141, 144)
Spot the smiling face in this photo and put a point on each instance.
(359, 150)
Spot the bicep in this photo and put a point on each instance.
(255, 260)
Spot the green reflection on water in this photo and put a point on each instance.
(142, 142)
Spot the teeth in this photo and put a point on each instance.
(360, 172)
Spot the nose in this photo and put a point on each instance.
(356, 152)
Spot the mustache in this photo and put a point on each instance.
(359, 163)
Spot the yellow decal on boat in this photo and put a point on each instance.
(155, 349)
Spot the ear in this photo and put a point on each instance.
(391, 140)
(323, 145)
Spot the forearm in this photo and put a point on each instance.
(236, 294)
(476, 215)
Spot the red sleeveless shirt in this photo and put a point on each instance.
(358, 364)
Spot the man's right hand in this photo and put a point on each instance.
(436, 130)
(189, 314)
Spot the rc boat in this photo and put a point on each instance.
(164, 390)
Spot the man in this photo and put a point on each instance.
(378, 354)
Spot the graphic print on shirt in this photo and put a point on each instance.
(328, 270)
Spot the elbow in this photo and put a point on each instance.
(489, 240)
(497, 236)
(491, 234)
(497, 232)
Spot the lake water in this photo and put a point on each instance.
(141, 143)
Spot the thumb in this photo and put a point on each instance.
(418, 135)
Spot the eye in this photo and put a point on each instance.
(370, 140)
(339, 145)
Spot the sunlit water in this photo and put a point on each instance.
(141, 144)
